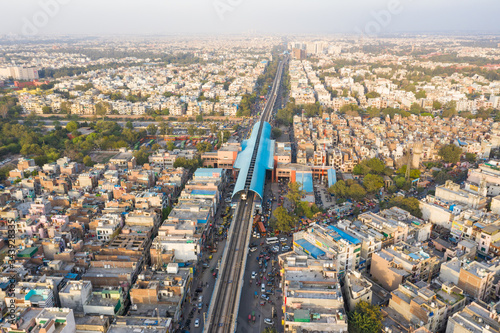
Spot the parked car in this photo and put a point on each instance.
(269, 321)
(285, 248)
(264, 297)
(254, 275)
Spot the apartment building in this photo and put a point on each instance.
(312, 297)
(401, 262)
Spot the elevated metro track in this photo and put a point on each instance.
(224, 305)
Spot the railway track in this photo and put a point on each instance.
(223, 310)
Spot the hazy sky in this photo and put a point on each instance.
(236, 16)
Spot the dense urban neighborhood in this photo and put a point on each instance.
(250, 184)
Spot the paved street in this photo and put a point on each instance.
(249, 303)
(204, 279)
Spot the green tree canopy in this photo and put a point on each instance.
(203, 147)
(436, 105)
(365, 318)
(276, 133)
(356, 192)
(72, 126)
(88, 161)
(470, 157)
(410, 204)
(284, 220)
(152, 129)
(450, 153)
(170, 145)
(373, 183)
(450, 109)
(373, 166)
(372, 94)
(295, 193)
(142, 155)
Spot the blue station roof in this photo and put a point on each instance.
(306, 181)
(332, 177)
(263, 162)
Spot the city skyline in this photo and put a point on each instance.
(372, 18)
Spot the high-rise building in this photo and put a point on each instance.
(20, 73)
(299, 54)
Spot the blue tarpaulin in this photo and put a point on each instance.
(203, 192)
(314, 251)
(344, 235)
(208, 173)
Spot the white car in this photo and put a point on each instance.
(276, 248)
(269, 321)
(283, 239)
(285, 248)
(197, 323)
(254, 275)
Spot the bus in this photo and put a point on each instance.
(272, 240)
(261, 228)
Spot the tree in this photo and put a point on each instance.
(373, 165)
(4, 110)
(88, 161)
(436, 105)
(450, 153)
(203, 147)
(414, 173)
(415, 108)
(410, 204)
(365, 318)
(470, 157)
(170, 145)
(361, 169)
(294, 194)
(450, 109)
(72, 126)
(372, 94)
(102, 108)
(46, 110)
(339, 189)
(276, 133)
(199, 118)
(284, 221)
(152, 129)
(66, 107)
(191, 129)
(142, 156)
(356, 192)
(269, 330)
(373, 183)
(421, 94)
(129, 125)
